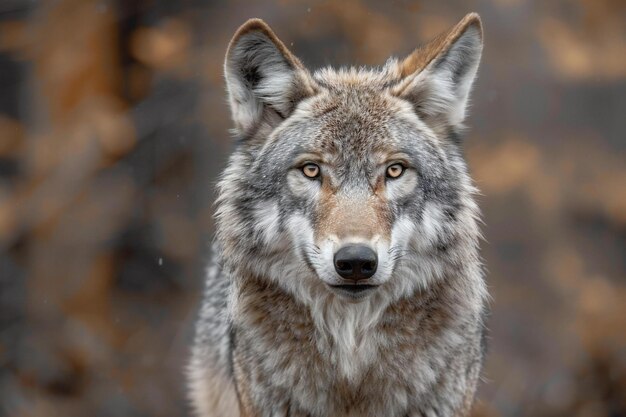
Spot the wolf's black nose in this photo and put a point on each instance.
(356, 262)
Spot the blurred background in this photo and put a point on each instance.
(114, 127)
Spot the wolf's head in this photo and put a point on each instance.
(349, 180)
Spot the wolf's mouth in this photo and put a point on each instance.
(356, 288)
(354, 291)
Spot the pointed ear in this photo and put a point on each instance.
(264, 80)
(438, 77)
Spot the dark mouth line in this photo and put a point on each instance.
(354, 287)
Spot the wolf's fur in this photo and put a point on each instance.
(273, 338)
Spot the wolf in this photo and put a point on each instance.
(346, 278)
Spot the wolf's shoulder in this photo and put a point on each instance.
(214, 322)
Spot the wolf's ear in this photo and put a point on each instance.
(264, 80)
(437, 78)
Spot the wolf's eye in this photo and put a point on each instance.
(395, 171)
(311, 170)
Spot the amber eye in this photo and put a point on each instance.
(395, 171)
(311, 170)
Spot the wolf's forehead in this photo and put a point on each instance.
(376, 78)
(359, 118)
(352, 115)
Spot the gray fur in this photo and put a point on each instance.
(273, 339)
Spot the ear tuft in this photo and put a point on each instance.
(438, 76)
(264, 79)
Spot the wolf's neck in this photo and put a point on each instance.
(347, 335)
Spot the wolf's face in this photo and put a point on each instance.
(354, 175)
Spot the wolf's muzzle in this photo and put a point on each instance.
(356, 262)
